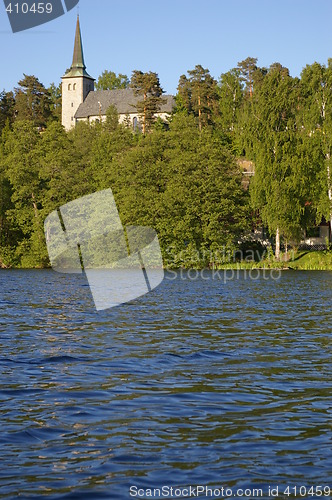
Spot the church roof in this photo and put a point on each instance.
(78, 66)
(124, 100)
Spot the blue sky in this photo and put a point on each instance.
(170, 37)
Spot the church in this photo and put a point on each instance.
(80, 101)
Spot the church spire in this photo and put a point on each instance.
(78, 66)
(76, 83)
(78, 58)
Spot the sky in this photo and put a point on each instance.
(169, 38)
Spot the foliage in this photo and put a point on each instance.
(7, 109)
(231, 97)
(198, 95)
(109, 80)
(186, 186)
(147, 86)
(32, 101)
(55, 93)
(182, 178)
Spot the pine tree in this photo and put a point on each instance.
(32, 101)
(147, 86)
(7, 109)
(247, 69)
(198, 95)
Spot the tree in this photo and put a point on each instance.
(22, 170)
(7, 108)
(147, 86)
(8, 234)
(278, 188)
(58, 170)
(230, 99)
(55, 93)
(316, 121)
(198, 94)
(109, 80)
(32, 101)
(111, 143)
(186, 185)
(247, 69)
(183, 97)
(83, 138)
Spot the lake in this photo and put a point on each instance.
(204, 381)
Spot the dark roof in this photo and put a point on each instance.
(124, 101)
(77, 66)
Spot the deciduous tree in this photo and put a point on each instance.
(109, 80)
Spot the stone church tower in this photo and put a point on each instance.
(76, 83)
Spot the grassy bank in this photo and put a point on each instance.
(302, 261)
(312, 261)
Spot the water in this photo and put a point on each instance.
(199, 382)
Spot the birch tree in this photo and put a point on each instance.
(316, 86)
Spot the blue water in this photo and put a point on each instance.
(199, 382)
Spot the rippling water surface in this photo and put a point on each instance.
(199, 382)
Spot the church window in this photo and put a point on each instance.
(69, 86)
(74, 86)
(72, 104)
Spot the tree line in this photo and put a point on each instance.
(180, 177)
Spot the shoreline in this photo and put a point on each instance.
(302, 261)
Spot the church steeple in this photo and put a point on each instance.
(78, 66)
(76, 83)
(78, 58)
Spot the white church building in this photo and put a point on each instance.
(80, 102)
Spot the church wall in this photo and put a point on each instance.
(132, 118)
(74, 91)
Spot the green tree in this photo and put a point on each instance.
(7, 108)
(198, 94)
(316, 122)
(22, 170)
(55, 93)
(32, 101)
(230, 100)
(147, 87)
(110, 145)
(183, 97)
(247, 69)
(83, 138)
(279, 188)
(109, 80)
(187, 186)
(8, 233)
(58, 171)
